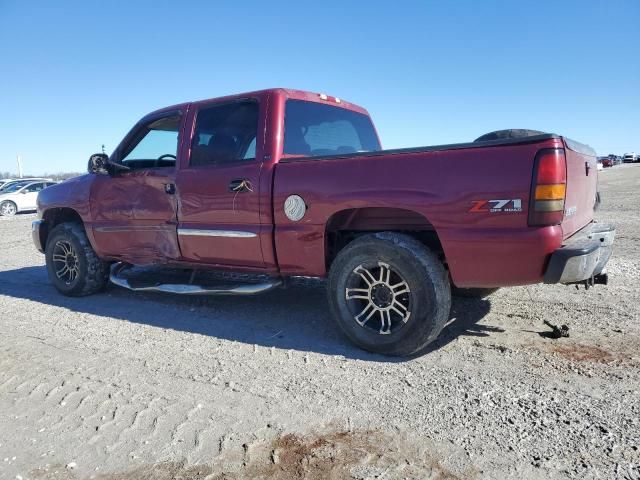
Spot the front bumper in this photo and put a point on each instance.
(37, 228)
(583, 256)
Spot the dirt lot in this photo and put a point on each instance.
(128, 386)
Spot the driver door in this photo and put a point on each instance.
(134, 211)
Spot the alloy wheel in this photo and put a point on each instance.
(65, 261)
(8, 209)
(378, 297)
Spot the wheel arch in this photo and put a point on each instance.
(344, 226)
(54, 217)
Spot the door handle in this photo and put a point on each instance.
(169, 188)
(240, 185)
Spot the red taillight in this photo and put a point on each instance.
(552, 167)
(548, 189)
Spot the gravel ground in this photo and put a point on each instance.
(126, 386)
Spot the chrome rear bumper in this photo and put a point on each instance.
(583, 256)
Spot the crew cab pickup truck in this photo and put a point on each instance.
(281, 183)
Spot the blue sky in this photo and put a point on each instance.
(75, 75)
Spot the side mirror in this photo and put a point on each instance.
(100, 164)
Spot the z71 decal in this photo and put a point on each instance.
(495, 206)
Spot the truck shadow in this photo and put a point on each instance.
(294, 318)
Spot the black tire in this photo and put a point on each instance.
(472, 292)
(427, 302)
(92, 274)
(8, 208)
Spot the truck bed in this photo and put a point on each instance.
(440, 184)
(576, 146)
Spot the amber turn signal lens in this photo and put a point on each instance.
(551, 192)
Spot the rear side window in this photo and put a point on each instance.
(225, 133)
(314, 130)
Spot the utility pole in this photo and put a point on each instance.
(19, 160)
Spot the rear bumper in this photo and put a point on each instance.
(583, 256)
(36, 227)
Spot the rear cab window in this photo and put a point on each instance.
(317, 130)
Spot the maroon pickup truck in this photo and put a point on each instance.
(281, 183)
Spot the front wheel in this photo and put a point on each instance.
(389, 293)
(8, 209)
(73, 267)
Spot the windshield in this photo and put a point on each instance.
(315, 129)
(12, 187)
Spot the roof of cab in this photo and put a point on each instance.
(287, 92)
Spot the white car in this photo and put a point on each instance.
(20, 197)
(7, 182)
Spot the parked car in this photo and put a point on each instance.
(286, 183)
(20, 197)
(13, 185)
(22, 181)
(613, 160)
(6, 184)
(630, 158)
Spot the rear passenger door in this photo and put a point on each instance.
(219, 198)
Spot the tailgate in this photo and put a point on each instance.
(582, 184)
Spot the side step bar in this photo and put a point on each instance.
(191, 289)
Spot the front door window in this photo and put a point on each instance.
(154, 146)
(36, 187)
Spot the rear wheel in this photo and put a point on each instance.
(389, 293)
(8, 208)
(73, 267)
